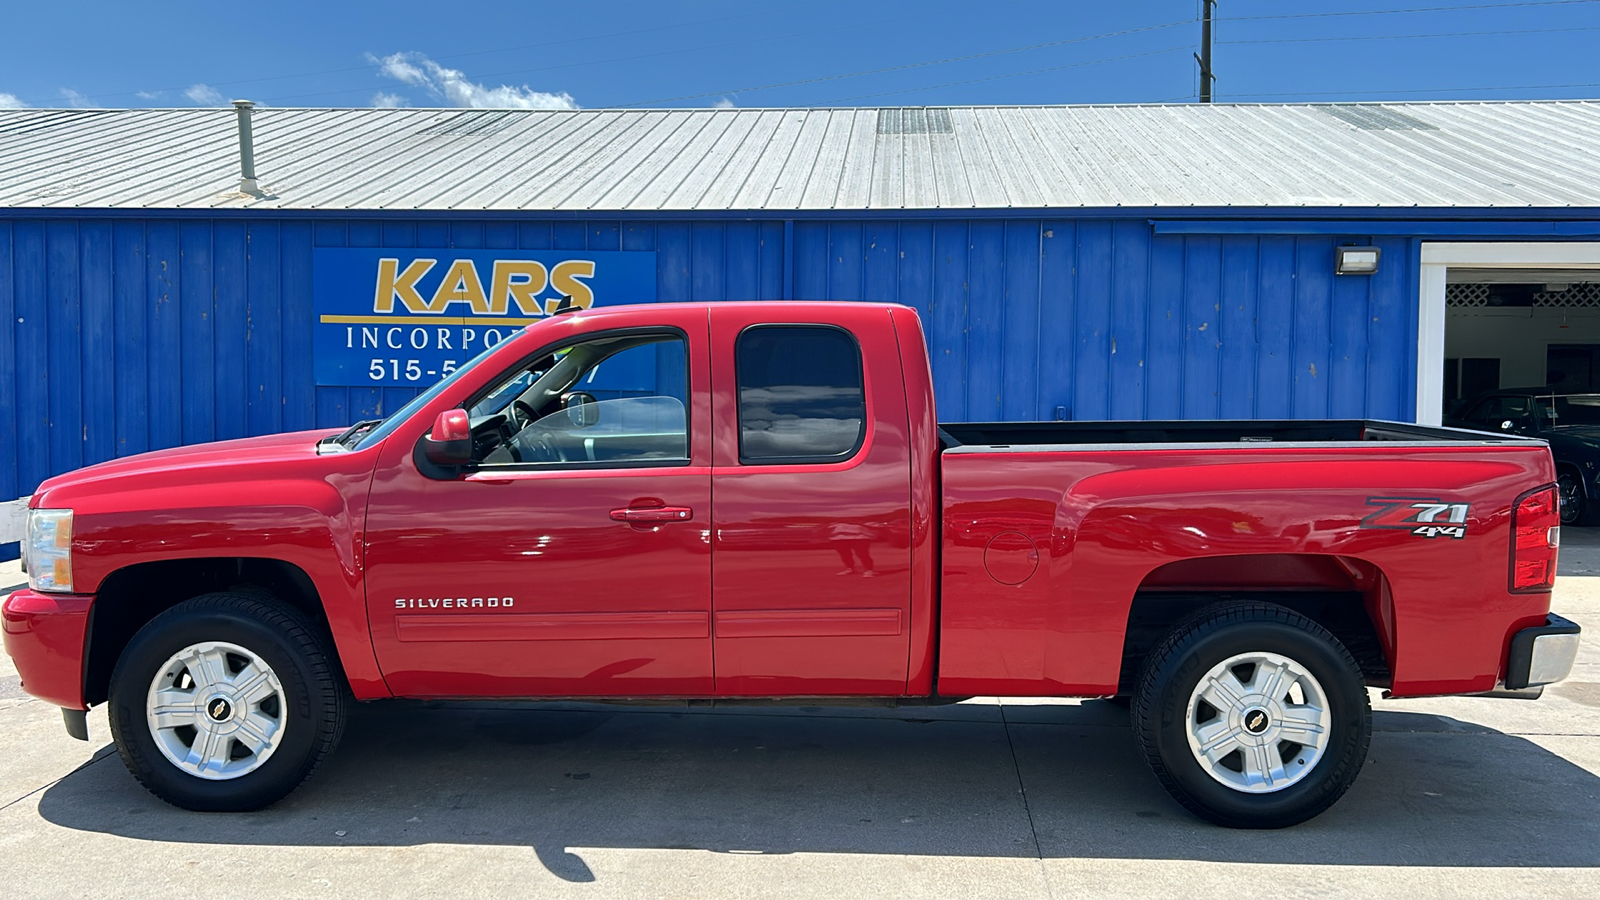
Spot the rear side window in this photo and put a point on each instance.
(800, 394)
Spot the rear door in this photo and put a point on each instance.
(811, 580)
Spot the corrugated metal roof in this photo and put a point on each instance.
(1432, 155)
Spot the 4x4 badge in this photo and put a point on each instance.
(1427, 517)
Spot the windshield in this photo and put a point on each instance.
(388, 426)
(1571, 409)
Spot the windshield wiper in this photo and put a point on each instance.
(354, 432)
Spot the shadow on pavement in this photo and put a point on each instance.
(1435, 791)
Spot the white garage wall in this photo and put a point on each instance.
(1517, 336)
(13, 520)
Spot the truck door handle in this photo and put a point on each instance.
(652, 514)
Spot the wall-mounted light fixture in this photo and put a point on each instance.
(1357, 261)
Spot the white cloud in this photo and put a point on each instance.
(724, 103)
(398, 67)
(76, 99)
(147, 95)
(452, 85)
(203, 95)
(384, 100)
(11, 101)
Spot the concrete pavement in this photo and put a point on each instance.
(1460, 797)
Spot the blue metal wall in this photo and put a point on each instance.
(121, 335)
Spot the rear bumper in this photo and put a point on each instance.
(1542, 655)
(44, 634)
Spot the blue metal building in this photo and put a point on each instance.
(1069, 262)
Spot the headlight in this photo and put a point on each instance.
(49, 550)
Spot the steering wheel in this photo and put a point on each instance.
(528, 414)
(545, 450)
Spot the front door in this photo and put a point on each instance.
(812, 579)
(574, 558)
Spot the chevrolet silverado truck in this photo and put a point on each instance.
(737, 502)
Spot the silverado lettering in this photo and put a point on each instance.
(455, 603)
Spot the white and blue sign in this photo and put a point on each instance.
(406, 318)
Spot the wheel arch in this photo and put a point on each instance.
(130, 597)
(1349, 596)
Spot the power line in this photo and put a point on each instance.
(931, 87)
(368, 66)
(1471, 90)
(1414, 9)
(1284, 16)
(1392, 37)
(1371, 12)
(919, 65)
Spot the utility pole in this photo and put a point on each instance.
(1204, 56)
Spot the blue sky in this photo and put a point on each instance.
(812, 53)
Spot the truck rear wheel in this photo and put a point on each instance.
(225, 702)
(1253, 716)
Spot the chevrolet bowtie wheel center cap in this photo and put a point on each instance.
(219, 709)
(1256, 721)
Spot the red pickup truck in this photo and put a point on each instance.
(744, 501)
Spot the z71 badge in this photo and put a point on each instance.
(1426, 517)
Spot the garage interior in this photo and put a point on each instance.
(1520, 328)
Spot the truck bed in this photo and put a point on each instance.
(1135, 434)
(1054, 528)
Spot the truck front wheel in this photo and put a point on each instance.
(225, 702)
(1253, 716)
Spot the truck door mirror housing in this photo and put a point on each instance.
(582, 409)
(450, 441)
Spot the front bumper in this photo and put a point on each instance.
(1542, 655)
(44, 634)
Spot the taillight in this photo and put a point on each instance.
(1535, 535)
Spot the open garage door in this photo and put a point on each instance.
(1505, 315)
(1520, 328)
(1509, 340)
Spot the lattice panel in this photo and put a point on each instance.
(1580, 295)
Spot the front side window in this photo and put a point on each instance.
(619, 400)
(801, 395)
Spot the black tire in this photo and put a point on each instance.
(312, 687)
(1576, 509)
(1174, 669)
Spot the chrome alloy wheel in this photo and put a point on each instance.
(1258, 722)
(216, 710)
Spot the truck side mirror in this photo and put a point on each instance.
(450, 441)
(583, 409)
